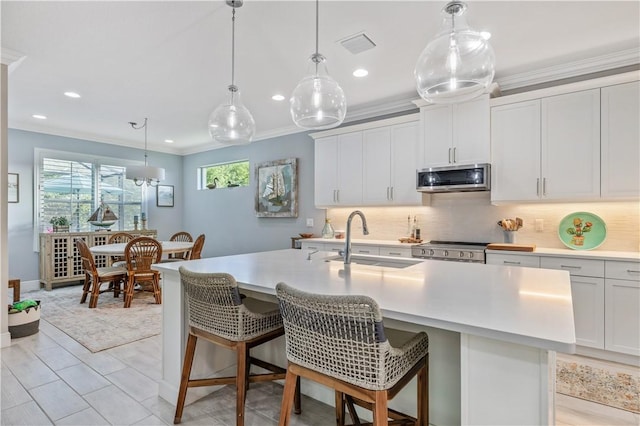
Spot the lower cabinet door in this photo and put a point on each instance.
(588, 310)
(622, 307)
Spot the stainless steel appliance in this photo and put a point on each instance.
(473, 177)
(457, 251)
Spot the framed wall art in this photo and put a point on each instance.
(13, 196)
(164, 195)
(277, 188)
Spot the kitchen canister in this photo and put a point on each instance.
(510, 236)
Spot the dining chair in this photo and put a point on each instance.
(181, 236)
(340, 341)
(196, 250)
(218, 314)
(94, 277)
(140, 253)
(119, 237)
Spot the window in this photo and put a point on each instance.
(224, 175)
(72, 186)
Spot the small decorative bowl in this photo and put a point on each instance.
(339, 235)
(306, 235)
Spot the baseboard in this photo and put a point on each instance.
(27, 286)
(5, 340)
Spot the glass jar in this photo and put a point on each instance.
(327, 231)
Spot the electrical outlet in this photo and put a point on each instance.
(310, 222)
(539, 225)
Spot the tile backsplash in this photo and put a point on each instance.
(472, 217)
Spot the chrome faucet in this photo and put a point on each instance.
(346, 253)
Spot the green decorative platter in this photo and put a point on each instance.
(582, 231)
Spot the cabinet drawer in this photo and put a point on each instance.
(334, 247)
(395, 251)
(312, 246)
(513, 260)
(622, 270)
(581, 267)
(364, 249)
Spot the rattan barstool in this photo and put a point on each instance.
(340, 342)
(218, 313)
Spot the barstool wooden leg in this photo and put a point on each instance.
(241, 382)
(186, 372)
(380, 409)
(297, 399)
(423, 394)
(287, 397)
(339, 408)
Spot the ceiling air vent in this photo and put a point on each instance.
(357, 43)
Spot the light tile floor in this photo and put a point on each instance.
(49, 378)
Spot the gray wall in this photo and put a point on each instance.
(23, 261)
(227, 215)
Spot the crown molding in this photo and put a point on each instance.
(577, 68)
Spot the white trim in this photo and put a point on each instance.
(366, 126)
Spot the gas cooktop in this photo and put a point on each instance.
(460, 251)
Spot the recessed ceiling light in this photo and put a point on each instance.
(39, 116)
(360, 72)
(168, 140)
(277, 98)
(71, 94)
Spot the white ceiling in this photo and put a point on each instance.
(171, 60)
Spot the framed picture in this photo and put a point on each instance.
(277, 188)
(164, 195)
(13, 196)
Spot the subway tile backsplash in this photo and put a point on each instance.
(472, 217)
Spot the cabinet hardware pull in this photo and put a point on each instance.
(364, 251)
(571, 267)
(393, 253)
(388, 193)
(631, 271)
(538, 187)
(337, 195)
(391, 194)
(449, 155)
(454, 155)
(510, 262)
(544, 187)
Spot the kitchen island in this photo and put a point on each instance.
(494, 330)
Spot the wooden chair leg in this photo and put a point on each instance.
(128, 292)
(241, 382)
(423, 394)
(95, 292)
(287, 397)
(85, 289)
(352, 409)
(186, 372)
(380, 409)
(156, 289)
(297, 399)
(339, 396)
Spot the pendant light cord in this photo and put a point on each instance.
(317, 23)
(144, 126)
(233, 46)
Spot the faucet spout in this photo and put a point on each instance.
(347, 242)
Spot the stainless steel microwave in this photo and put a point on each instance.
(473, 177)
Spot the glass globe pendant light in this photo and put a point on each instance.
(458, 65)
(232, 123)
(318, 101)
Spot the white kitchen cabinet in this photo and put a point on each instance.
(620, 141)
(338, 170)
(622, 307)
(456, 134)
(390, 160)
(587, 292)
(547, 149)
(513, 260)
(395, 251)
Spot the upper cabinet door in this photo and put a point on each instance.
(437, 127)
(620, 141)
(405, 152)
(571, 146)
(515, 152)
(350, 169)
(376, 150)
(471, 141)
(326, 171)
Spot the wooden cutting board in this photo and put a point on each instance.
(511, 247)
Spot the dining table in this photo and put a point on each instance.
(117, 249)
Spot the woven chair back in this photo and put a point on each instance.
(120, 237)
(88, 262)
(340, 336)
(215, 306)
(181, 236)
(140, 253)
(196, 250)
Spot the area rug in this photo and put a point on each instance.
(106, 326)
(608, 383)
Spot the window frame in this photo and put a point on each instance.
(201, 173)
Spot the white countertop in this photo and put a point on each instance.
(519, 305)
(584, 254)
(387, 243)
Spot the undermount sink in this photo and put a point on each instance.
(377, 261)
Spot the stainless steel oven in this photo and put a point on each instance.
(457, 251)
